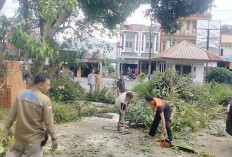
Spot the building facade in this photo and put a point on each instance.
(188, 31)
(134, 47)
(226, 48)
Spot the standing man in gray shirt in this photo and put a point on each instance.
(91, 80)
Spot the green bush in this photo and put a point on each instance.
(208, 97)
(5, 145)
(189, 118)
(71, 112)
(105, 95)
(193, 105)
(139, 114)
(111, 69)
(64, 89)
(220, 75)
(144, 88)
(174, 86)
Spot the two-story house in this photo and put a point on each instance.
(188, 31)
(135, 46)
(226, 49)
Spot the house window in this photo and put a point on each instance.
(164, 45)
(178, 68)
(123, 41)
(156, 44)
(169, 65)
(194, 23)
(186, 69)
(143, 42)
(194, 71)
(130, 44)
(221, 52)
(147, 45)
(136, 42)
(188, 25)
(162, 67)
(151, 45)
(127, 45)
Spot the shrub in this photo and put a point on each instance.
(194, 106)
(208, 97)
(105, 95)
(64, 89)
(186, 117)
(111, 69)
(5, 145)
(144, 88)
(139, 114)
(189, 118)
(72, 112)
(174, 86)
(220, 75)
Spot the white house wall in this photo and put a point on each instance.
(198, 75)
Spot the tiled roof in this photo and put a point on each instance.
(188, 51)
(98, 56)
(226, 38)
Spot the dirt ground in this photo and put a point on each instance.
(86, 138)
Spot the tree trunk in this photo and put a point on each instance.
(29, 79)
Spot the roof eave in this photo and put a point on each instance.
(200, 60)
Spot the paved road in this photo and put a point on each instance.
(106, 82)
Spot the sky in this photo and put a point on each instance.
(222, 10)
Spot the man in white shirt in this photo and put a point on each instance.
(91, 80)
(122, 102)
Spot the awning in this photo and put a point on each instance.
(129, 62)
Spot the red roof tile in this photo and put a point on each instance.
(188, 51)
(98, 56)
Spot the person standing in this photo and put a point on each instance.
(121, 85)
(98, 81)
(160, 86)
(161, 111)
(122, 102)
(32, 111)
(136, 71)
(91, 80)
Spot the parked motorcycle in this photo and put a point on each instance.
(131, 76)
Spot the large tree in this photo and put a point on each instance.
(52, 16)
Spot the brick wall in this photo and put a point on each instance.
(13, 84)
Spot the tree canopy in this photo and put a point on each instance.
(167, 12)
(226, 29)
(38, 21)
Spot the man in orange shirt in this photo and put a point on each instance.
(161, 111)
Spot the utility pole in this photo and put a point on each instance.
(118, 61)
(207, 48)
(149, 64)
(117, 56)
